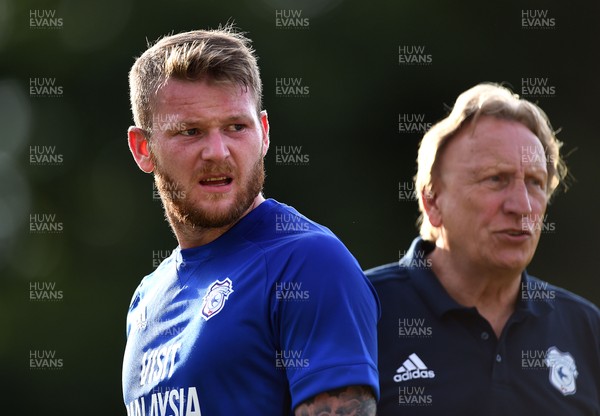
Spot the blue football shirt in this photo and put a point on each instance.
(272, 313)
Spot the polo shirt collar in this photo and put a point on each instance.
(425, 281)
(440, 302)
(535, 296)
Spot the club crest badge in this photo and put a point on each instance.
(563, 370)
(215, 297)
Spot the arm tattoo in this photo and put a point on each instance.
(349, 401)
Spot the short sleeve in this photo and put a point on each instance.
(325, 313)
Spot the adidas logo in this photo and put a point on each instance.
(413, 368)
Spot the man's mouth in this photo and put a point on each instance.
(517, 232)
(216, 181)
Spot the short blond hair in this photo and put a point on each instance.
(485, 99)
(218, 55)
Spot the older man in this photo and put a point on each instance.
(258, 311)
(465, 330)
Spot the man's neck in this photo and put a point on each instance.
(494, 293)
(189, 237)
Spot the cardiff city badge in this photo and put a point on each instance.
(563, 370)
(216, 295)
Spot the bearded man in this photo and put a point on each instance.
(259, 310)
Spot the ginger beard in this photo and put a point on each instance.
(179, 209)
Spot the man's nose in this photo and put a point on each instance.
(518, 200)
(215, 147)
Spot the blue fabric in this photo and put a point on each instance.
(290, 315)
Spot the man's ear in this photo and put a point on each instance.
(138, 144)
(429, 199)
(264, 124)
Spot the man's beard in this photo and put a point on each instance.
(179, 210)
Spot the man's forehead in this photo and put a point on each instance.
(491, 135)
(495, 143)
(175, 89)
(490, 125)
(506, 154)
(491, 162)
(191, 98)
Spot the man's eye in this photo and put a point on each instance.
(497, 180)
(538, 183)
(237, 127)
(189, 132)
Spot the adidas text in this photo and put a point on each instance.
(413, 375)
(413, 368)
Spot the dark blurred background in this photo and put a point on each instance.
(79, 226)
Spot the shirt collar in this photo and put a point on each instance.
(534, 295)
(227, 241)
(418, 267)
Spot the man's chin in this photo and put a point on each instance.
(516, 263)
(218, 213)
(222, 205)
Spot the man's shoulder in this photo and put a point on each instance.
(398, 272)
(290, 242)
(283, 227)
(577, 301)
(386, 273)
(563, 298)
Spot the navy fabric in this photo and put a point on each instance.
(437, 357)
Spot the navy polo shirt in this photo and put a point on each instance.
(437, 357)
